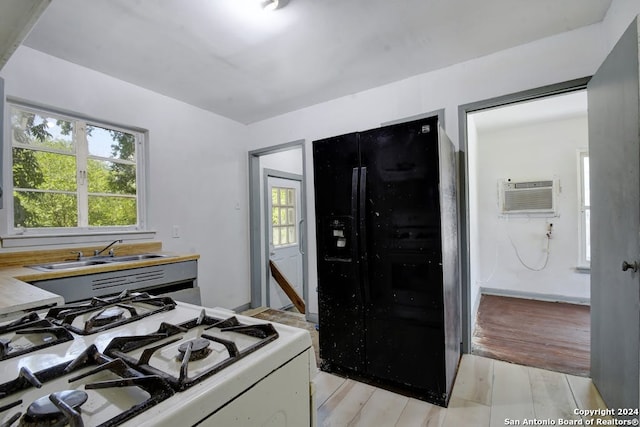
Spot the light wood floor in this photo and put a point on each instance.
(487, 392)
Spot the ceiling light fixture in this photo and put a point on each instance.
(273, 4)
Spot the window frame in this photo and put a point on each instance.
(584, 260)
(17, 237)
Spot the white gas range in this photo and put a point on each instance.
(136, 360)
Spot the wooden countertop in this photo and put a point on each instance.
(17, 295)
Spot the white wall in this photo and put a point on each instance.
(543, 62)
(197, 163)
(289, 161)
(540, 150)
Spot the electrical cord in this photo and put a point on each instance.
(524, 264)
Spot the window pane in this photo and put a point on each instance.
(108, 211)
(283, 196)
(111, 143)
(274, 196)
(283, 236)
(41, 130)
(112, 178)
(38, 209)
(43, 170)
(283, 216)
(291, 231)
(291, 197)
(585, 180)
(587, 233)
(291, 216)
(275, 216)
(275, 236)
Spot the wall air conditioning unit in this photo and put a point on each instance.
(529, 197)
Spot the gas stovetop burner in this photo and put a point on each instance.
(108, 315)
(202, 347)
(101, 314)
(30, 333)
(55, 409)
(196, 349)
(112, 390)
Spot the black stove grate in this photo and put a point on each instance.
(31, 324)
(90, 362)
(138, 306)
(120, 346)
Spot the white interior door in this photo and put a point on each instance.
(284, 237)
(614, 162)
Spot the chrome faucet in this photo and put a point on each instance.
(98, 252)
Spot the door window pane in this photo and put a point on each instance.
(283, 216)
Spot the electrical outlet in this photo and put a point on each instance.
(175, 232)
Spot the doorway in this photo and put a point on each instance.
(277, 171)
(536, 136)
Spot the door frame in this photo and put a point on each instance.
(272, 173)
(463, 178)
(255, 218)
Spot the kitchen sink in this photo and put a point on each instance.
(140, 257)
(92, 261)
(64, 265)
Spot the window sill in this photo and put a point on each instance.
(33, 240)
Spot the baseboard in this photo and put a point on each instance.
(534, 295)
(312, 317)
(243, 307)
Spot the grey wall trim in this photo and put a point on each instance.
(277, 148)
(266, 173)
(254, 230)
(255, 249)
(3, 132)
(463, 110)
(282, 174)
(243, 307)
(439, 113)
(534, 295)
(527, 95)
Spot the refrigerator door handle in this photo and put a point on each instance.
(362, 206)
(354, 213)
(362, 232)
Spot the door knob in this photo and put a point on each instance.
(633, 266)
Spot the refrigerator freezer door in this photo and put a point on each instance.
(341, 316)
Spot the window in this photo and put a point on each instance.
(585, 209)
(70, 174)
(283, 216)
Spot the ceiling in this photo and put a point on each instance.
(231, 58)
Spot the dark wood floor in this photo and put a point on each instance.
(548, 335)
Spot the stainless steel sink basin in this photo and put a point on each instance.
(92, 261)
(140, 257)
(65, 265)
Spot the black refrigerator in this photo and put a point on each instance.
(387, 255)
